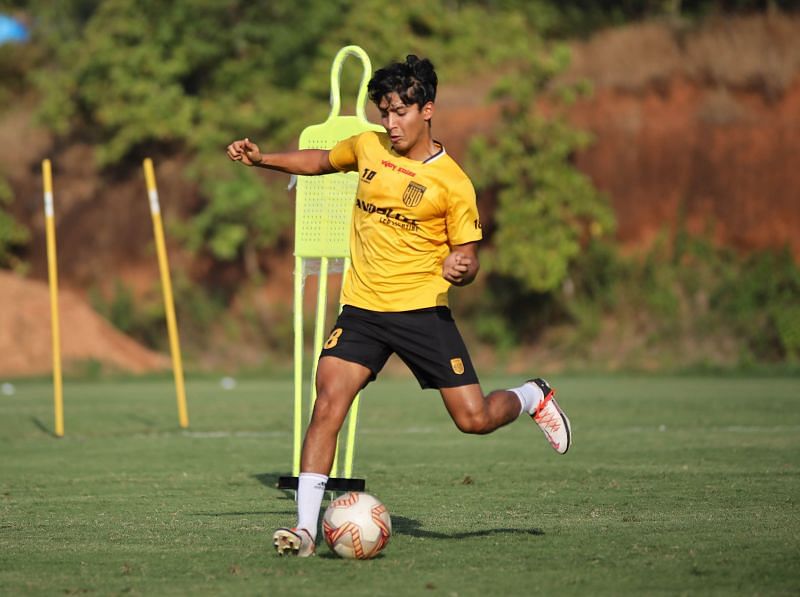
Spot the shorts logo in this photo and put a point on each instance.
(413, 194)
(457, 365)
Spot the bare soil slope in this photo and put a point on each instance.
(25, 333)
(697, 128)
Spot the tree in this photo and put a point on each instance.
(142, 77)
(546, 209)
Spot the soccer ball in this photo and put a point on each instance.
(356, 525)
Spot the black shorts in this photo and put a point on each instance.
(427, 340)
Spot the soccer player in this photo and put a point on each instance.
(415, 233)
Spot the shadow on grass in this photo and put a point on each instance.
(146, 421)
(42, 427)
(271, 480)
(412, 527)
(268, 479)
(400, 524)
(249, 513)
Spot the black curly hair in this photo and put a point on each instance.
(414, 81)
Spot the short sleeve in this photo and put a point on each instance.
(343, 156)
(463, 220)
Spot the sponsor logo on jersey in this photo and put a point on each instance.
(396, 168)
(457, 365)
(390, 216)
(413, 194)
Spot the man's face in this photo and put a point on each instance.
(407, 125)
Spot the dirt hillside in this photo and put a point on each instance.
(697, 128)
(25, 333)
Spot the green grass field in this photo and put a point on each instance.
(675, 485)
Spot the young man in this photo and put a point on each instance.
(415, 233)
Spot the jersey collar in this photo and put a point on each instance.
(436, 155)
(431, 158)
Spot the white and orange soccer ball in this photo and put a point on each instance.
(357, 525)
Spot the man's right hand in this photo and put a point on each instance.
(245, 151)
(308, 162)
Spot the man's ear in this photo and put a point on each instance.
(427, 111)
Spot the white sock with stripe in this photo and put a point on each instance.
(310, 490)
(530, 395)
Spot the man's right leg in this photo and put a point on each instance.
(338, 381)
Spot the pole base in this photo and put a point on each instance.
(333, 484)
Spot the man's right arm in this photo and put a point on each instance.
(303, 161)
(308, 162)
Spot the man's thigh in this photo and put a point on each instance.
(337, 383)
(430, 344)
(358, 337)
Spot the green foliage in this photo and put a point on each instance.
(142, 319)
(244, 217)
(142, 77)
(551, 260)
(786, 317)
(760, 298)
(138, 77)
(546, 209)
(16, 60)
(689, 288)
(656, 279)
(135, 77)
(462, 40)
(683, 301)
(12, 233)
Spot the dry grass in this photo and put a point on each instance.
(755, 52)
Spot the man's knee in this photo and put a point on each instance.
(474, 423)
(329, 406)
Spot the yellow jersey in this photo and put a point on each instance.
(407, 216)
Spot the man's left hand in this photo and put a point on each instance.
(455, 269)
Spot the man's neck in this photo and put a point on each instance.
(423, 150)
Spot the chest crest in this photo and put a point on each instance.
(413, 194)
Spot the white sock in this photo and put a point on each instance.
(310, 489)
(530, 395)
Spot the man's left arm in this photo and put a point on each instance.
(461, 266)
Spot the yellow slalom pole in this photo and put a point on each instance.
(52, 272)
(351, 437)
(298, 364)
(350, 440)
(319, 331)
(166, 286)
(319, 327)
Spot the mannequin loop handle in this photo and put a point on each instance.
(336, 74)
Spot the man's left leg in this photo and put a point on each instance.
(473, 412)
(429, 342)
